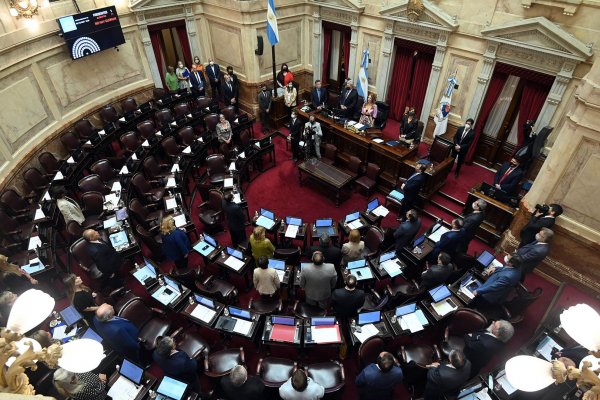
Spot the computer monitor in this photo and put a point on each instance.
(119, 239)
(283, 320)
(353, 216)
(373, 204)
(293, 221)
(172, 388)
(545, 346)
(91, 334)
(485, 258)
(318, 321)
(439, 293)
(70, 315)
(131, 371)
(324, 222)
(387, 256)
(238, 312)
(277, 264)
(267, 214)
(203, 300)
(369, 317)
(172, 283)
(236, 253)
(210, 240)
(356, 264)
(406, 309)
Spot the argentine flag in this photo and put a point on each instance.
(272, 32)
(362, 87)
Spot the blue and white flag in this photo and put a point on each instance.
(362, 87)
(441, 116)
(272, 32)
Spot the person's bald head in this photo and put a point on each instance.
(90, 235)
(105, 312)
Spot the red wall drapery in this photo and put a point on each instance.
(185, 45)
(420, 79)
(326, 50)
(400, 84)
(532, 101)
(155, 39)
(347, 54)
(494, 90)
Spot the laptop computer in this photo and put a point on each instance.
(205, 301)
(371, 317)
(278, 266)
(373, 204)
(206, 246)
(387, 256)
(119, 240)
(439, 293)
(235, 253)
(70, 315)
(121, 214)
(266, 219)
(228, 323)
(356, 264)
(352, 217)
(240, 313)
(131, 371)
(406, 309)
(171, 389)
(324, 225)
(545, 346)
(91, 334)
(293, 221)
(145, 274)
(320, 321)
(290, 321)
(485, 258)
(470, 392)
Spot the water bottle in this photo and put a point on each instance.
(191, 300)
(226, 312)
(394, 319)
(255, 214)
(352, 324)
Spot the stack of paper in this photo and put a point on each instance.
(70, 160)
(173, 123)
(171, 204)
(124, 389)
(189, 115)
(171, 183)
(437, 235)
(203, 313)
(124, 170)
(326, 334)
(242, 326)
(134, 157)
(116, 187)
(59, 332)
(232, 166)
(464, 290)
(122, 119)
(366, 332)
(101, 132)
(112, 198)
(180, 220)
(355, 224)
(391, 267)
(46, 196)
(228, 182)
(145, 144)
(88, 142)
(442, 308)
(158, 133)
(187, 150)
(291, 231)
(381, 211)
(242, 154)
(234, 263)
(508, 388)
(39, 214)
(237, 198)
(59, 175)
(378, 140)
(34, 243)
(175, 168)
(411, 322)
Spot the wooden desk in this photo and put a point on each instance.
(268, 328)
(414, 262)
(426, 304)
(188, 309)
(381, 272)
(300, 235)
(437, 173)
(498, 216)
(384, 331)
(326, 174)
(148, 382)
(390, 316)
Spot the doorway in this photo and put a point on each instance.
(170, 44)
(336, 54)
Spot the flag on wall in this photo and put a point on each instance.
(272, 32)
(362, 86)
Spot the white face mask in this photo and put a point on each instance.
(212, 63)
(538, 237)
(468, 126)
(505, 259)
(475, 206)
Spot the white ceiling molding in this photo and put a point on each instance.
(569, 7)
(348, 5)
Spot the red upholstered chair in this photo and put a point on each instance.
(187, 136)
(70, 141)
(109, 115)
(354, 165)
(146, 129)
(229, 113)
(374, 301)
(202, 102)
(152, 239)
(84, 129)
(158, 93)
(211, 211)
(163, 117)
(153, 170)
(79, 251)
(211, 121)
(216, 168)
(440, 150)
(329, 374)
(104, 169)
(403, 291)
(369, 350)
(290, 256)
(181, 109)
(145, 190)
(50, 164)
(171, 148)
(75, 230)
(129, 105)
(222, 290)
(130, 141)
(329, 154)
(463, 321)
(143, 216)
(14, 228)
(93, 209)
(93, 183)
(150, 321)
(373, 240)
(514, 309)
(275, 371)
(333, 99)
(191, 343)
(37, 181)
(244, 139)
(263, 305)
(220, 363)
(369, 180)
(306, 311)
(16, 205)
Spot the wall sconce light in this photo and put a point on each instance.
(24, 8)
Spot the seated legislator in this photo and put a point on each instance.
(106, 258)
(224, 132)
(260, 245)
(540, 219)
(176, 363)
(449, 241)
(319, 95)
(407, 230)
(301, 387)
(353, 249)
(120, 335)
(500, 282)
(533, 253)
(437, 274)
(348, 300)
(318, 280)
(265, 279)
(376, 381)
(408, 128)
(446, 379)
(238, 385)
(332, 254)
(508, 176)
(412, 186)
(482, 345)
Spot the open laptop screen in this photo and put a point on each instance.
(369, 317)
(321, 223)
(131, 371)
(373, 204)
(439, 293)
(266, 213)
(172, 388)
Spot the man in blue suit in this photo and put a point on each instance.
(377, 381)
(176, 363)
(412, 186)
(319, 95)
(449, 241)
(214, 77)
(508, 176)
(118, 333)
(198, 81)
(533, 253)
(500, 282)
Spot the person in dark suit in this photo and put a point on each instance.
(538, 221)
(376, 381)
(265, 99)
(319, 95)
(499, 283)
(106, 258)
(214, 77)
(348, 300)
(230, 91)
(407, 230)
(449, 241)
(118, 333)
(176, 363)
(508, 176)
(483, 344)
(470, 224)
(332, 254)
(534, 252)
(462, 140)
(238, 385)
(438, 273)
(198, 81)
(233, 76)
(296, 128)
(235, 220)
(447, 378)
(408, 127)
(349, 99)
(412, 186)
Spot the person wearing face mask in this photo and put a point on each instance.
(470, 224)
(534, 252)
(319, 95)
(539, 220)
(290, 97)
(231, 92)
(499, 283)
(214, 77)
(408, 127)
(313, 126)
(508, 176)
(348, 99)
(265, 99)
(284, 77)
(462, 140)
(295, 133)
(233, 76)
(197, 81)
(183, 74)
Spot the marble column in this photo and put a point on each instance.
(352, 64)
(145, 35)
(317, 46)
(190, 27)
(483, 81)
(434, 77)
(561, 81)
(385, 63)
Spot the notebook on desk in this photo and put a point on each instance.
(362, 273)
(396, 195)
(147, 272)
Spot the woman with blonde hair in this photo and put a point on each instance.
(176, 244)
(260, 245)
(81, 296)
(353, 250)
(14, 278)
(368, 113)
(87, 386)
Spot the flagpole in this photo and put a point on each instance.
(274, 71)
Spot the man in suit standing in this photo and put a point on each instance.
(499, 284)
(319, 95)
(407, 230)
(533, 253)
(412, 186)
(265, 99)
(198, 81)
(438, 273)
(313, 128)
(482, 345)
(447, 378)
(318, 280)
(176, 363)
(331, 254)
(214, 77)
(449, 241)
(348, 300)
(295, 133)
(376, 381)
(538, 221)
(508, 176)
(349, 99)
(235, 220)
(106, 258)
(230, 92)
(470, 224)
(462, 140)
(119, 333)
